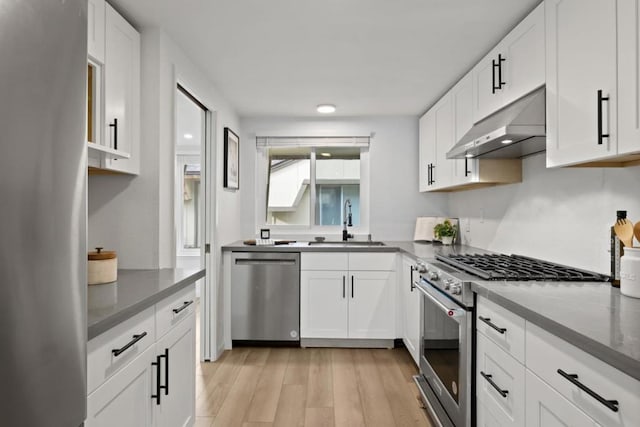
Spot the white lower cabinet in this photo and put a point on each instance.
(558, 385)
(410, 309)
(499, 383)
(177, 406)
(340, 303)
(153, 384)
(547, 408)
(124, 400)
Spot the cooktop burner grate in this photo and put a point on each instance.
(518, 267)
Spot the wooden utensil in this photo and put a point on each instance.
(624, 230)
(636, 231)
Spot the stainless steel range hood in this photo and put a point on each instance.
(522, 123)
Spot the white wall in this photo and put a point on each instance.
(394, 198)
(561, 215)
(135, 215)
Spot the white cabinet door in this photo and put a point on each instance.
(371, 296)
(410, 307)
(523, 51)
(427, 150)
(122, 92)
(547, 408)
(177, 407)
(628, 76)
(488, 93)
(515, 67)
(580, 61)
(442, 171)
(462, 97)
(125, 399)
(95, 29)
(323, 304)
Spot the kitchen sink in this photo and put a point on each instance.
(342, 243)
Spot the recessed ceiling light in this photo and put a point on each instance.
(326, 108)
(188, 136)
(507, 141)
(468, 155)
(325, 154)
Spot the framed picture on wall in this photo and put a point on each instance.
(231, 160)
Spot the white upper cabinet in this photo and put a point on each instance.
(515, 67)
(427, 150)
(462, 97)
(122, 92)
(442, 171)
(628, 77)
(95, 29)
(581, 81)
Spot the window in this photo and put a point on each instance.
(308, 184)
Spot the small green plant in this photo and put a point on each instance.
(446, 229)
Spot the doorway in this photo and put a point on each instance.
(193, 201)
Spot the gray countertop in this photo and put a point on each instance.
(134, 291)
(592, 316)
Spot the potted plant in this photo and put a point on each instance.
(445, 232)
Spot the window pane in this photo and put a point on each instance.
(288, 200)
(190, 206)
(337, 180)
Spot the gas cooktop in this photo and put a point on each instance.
(518, 267)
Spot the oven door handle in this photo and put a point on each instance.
(437, 300)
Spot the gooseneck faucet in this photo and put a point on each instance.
(347, 221)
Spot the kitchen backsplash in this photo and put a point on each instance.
(560, 215)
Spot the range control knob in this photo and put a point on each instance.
(447, 284)
(433, 275)
(420, 268)
(456, 289)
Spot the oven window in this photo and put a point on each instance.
(441, 346)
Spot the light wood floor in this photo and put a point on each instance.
(251, 387)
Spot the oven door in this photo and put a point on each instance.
(445, 352)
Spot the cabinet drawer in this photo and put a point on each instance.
(502, 327)
(173, 309)
(547, 354)
(103, 361)
(496, 367)
(324, 261)
(372, 261)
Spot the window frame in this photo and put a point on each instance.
(262, 170)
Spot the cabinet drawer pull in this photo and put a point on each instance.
(488, 321)
(352, 287)
(118, 351)
(489, 379)
(601, 99)
(185, 305)
(158, 386)
(166, 371)
(344, 287)
(573, 379)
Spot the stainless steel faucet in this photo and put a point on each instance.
(348, 221)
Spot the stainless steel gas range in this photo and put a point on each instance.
(446, 379)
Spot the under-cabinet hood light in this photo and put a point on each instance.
(326, 108)
(188, 136)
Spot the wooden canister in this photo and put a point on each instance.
(102, 267)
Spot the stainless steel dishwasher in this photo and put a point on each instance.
(265, 296)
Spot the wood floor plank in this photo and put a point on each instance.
(298, 367)
(406, 363)
(219, 384)
(265, 399)
(235, 406)
(376, 408)
(258, 424)
(291, 406)
(319, 417)
(203, 422)
(400, 394)
(346, 397)
(320, 383)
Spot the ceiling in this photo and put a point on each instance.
(368, 57)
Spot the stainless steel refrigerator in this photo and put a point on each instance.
(43, 64)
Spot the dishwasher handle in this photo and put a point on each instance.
(273, 261)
